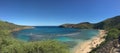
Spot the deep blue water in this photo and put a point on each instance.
(66, 35)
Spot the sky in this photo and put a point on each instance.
(57, 12)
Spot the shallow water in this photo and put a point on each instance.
(69, 36)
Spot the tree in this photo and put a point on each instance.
(113, 34)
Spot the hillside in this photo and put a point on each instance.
(106, 24)
(12, 27)
(109, 23)
(7, 25)
(84, 25)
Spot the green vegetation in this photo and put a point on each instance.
(7, 26)
(113, 34)
(10, 45)
(85, 25)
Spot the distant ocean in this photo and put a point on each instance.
(69, 36)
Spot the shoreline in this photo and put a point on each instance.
(88, 45)
(21, 28)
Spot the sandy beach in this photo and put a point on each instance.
(87, 46)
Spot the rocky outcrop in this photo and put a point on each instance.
(107, 47)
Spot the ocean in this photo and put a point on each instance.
(70, 36)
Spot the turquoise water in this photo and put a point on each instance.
(66, 35)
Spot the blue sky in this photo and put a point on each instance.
(56, 12)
